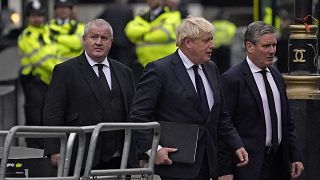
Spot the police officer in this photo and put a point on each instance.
(153, 33)
(224, 32)
(66, 30)
(39, 56)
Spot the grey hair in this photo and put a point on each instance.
(97, 22)
(191, 28)
(255, 30)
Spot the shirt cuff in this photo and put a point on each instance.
(149, 151)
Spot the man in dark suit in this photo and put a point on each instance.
(170, 90)
(256, 99)
(90, 89)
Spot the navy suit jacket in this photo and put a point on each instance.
(166, 93)
(75, 97)
(244, 103)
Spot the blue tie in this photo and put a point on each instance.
(201, 91)
(272, 108)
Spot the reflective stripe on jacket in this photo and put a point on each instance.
(154, 39)
(39, 53)
(68, 36)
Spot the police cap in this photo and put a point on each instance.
(35, 7)
(63, 3)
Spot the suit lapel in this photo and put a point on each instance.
(117, 75)
(92, 80)
(253, 86)
(210, 73)
(184, 78)
(282, 92)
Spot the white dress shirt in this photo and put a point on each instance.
(106, 68)
(188, 64)
(62, 21)
(260, 84)
(154, 13)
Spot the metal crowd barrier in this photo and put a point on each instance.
(123, 173)
(45, 132)
(9, 73)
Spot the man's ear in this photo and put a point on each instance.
(249, 46)
(187, 43)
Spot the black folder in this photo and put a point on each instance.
(182, 136)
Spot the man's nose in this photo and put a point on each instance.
(211, 44)
(272, 49)
(99, 40)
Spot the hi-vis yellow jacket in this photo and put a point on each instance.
(68, 36)
(154, 39)
(224, 32)
(40, 53)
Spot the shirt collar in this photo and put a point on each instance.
(92, 62)
(156, 11)
(253, 67)
(62, 21)
(186, 61)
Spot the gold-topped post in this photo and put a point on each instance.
(302, 82)
(303, 78)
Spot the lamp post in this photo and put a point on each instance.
(302, 82)
(303, 78)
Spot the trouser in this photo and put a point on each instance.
(222, 58)
(113, 163)
(203, 174)
(34, 91)
(270, 167)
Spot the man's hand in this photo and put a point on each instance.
(162, 157)
(296, 169)
(142, 163)
(242, 154)
(55, 158)
(226, 177)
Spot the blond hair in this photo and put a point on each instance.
(191, 28)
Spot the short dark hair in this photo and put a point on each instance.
(255, 30)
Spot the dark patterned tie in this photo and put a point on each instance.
(103, 78)
(272, 108)
(201, 91)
